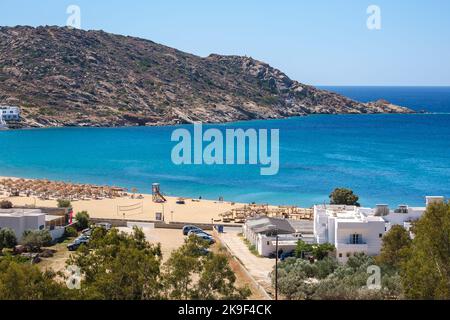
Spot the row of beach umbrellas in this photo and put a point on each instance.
(46, 189)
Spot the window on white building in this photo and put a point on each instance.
(356, 238)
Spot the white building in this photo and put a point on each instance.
(350, 229)
(360, 230)
(261, 232)
(20, 220)
(10, 113)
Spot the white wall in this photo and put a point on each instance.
(267, 246)
(21, 223)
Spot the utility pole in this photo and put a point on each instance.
(276, 265)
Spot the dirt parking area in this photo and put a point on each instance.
(57, 263)
(170, 239)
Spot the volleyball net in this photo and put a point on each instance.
(131, 210)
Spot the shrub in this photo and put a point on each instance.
(70, 232)
(64, 203)
(82, 220)
(7, 238)
(5, 204)
(36, 239)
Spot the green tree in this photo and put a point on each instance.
(35, 239)
(119, 266)
(82, 220)
(181, 267)
(302, 248)
(326, 280)
(19, 281)
(70, 232)
(217, 281)
(342, 196)
(64, 203)
(7, 238)
(192, 274)
(321, 251)
(426, 272)
(396, 244)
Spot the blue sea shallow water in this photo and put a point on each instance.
(389, 159)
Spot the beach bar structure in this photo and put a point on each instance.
(240, 215)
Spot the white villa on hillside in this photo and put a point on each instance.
(360, 230)
(10, 113)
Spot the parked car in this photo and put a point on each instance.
(188, 228)
(78, 242)
(84, 237)
(203, 251)
(105, 225)
(87, 232)
(197, 231)
(207, 238)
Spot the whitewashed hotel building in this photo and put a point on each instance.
(353, 229)
(350, 229)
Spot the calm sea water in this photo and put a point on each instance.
(389, 159)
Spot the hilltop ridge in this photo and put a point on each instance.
(68, 77)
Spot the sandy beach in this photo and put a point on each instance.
(193, 211)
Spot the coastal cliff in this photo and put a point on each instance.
(67, 77)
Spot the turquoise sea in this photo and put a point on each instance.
(393, 159)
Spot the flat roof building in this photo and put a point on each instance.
(20, 220)
(349, 229)
(354, 229)
(10, 113)
(262, 233)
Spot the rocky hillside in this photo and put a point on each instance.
(63, 77)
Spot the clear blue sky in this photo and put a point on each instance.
(319, 42)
